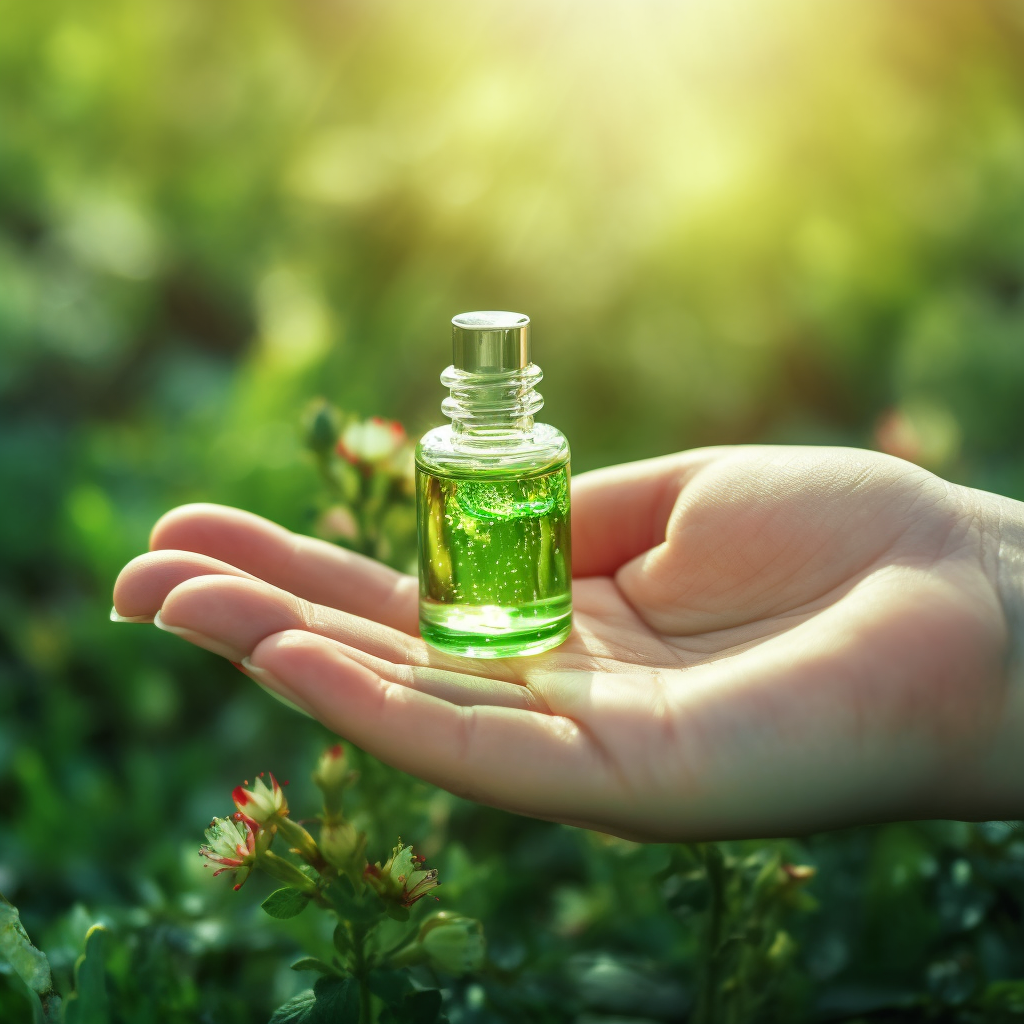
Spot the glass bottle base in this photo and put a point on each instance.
(491, 631)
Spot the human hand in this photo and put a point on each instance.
(766, 641)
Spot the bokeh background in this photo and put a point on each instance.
(732, 222)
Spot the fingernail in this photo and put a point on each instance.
(196, 638)
(270, 684)
(114, 617)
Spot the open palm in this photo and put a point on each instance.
(766, 641)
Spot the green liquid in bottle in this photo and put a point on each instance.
(495, 561)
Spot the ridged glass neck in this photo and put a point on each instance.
(492, 409)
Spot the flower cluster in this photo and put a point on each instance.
(242, 843)
(335, 875)
(368, 472)
(372, 446)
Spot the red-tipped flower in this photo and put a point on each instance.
(333, 777)
(401, 880)
(235, 844)
(376, 444)
(372, 441)
(332, 772)
(262, 802)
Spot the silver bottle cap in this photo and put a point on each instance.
(490, 341)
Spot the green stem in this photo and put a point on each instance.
(365, 1008)
(361, 971)
(707, 1010)
(367, 539)
(323, 464)
(285, 871)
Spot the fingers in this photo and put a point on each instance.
(506, 756)
(622, 511)
(145, 582)
(485, 738)
(311, 569)
(230, 615)
(393, 696)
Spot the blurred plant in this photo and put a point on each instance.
(27, 964)
(747, 960)
(89, 1003)
(921, 432)
(365, 976)
(367, 470)
(154, 351)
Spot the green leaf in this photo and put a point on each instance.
(30, 966)
(336, 1002)
(90, 1002)
(296, 1010)
(329, 1001)
(391, 986)
(285, 903)
(396, 912)
(29, 963)
(310, 963)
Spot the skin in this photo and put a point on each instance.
(767, 641)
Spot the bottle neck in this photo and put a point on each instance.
(492, 409)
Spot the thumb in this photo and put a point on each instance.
(622, 511)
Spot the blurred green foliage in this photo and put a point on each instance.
(735, 222)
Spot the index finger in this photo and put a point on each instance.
(309, 568)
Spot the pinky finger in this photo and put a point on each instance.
(519, 760)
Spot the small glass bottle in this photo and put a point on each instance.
(492, 502)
